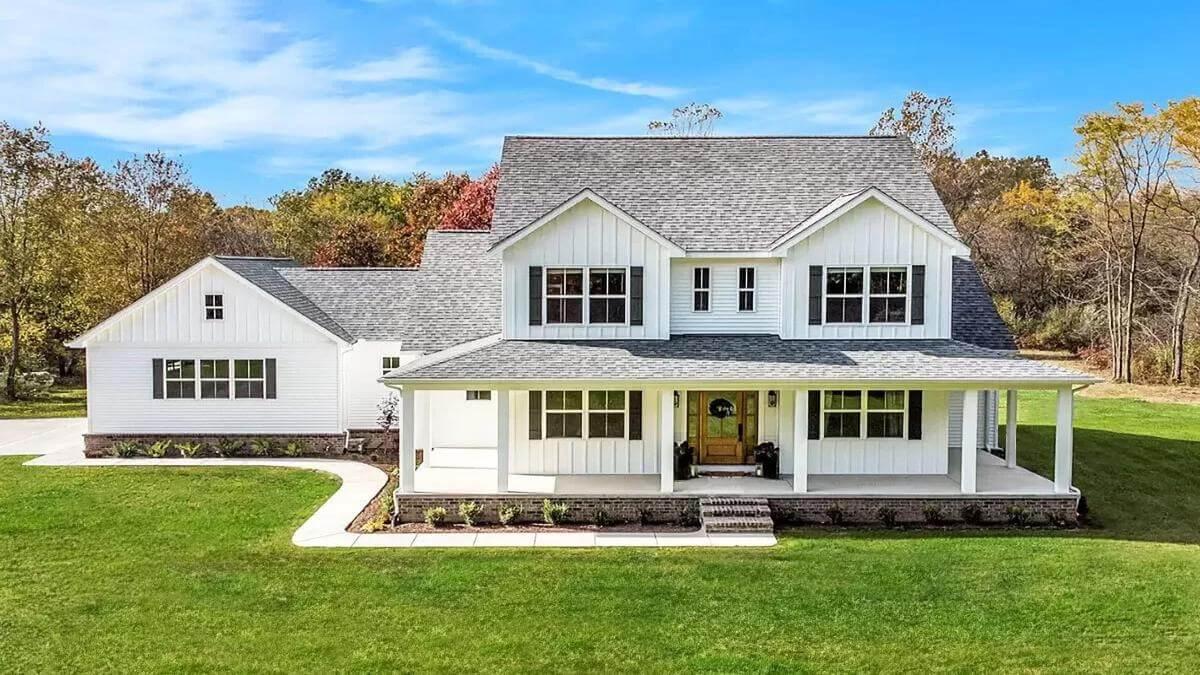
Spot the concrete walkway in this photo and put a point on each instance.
(58, 443)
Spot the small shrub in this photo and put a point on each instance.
(933, 514)
(604, 518)
(188, 449)
(469, 511)
(127, 449)
(690, 517)
(509, 514)
(34, 384)
(644, 516)
(292, 449)
(435, 516)
(887, 515)
(836, 514)
(230, 447)
(158, 449)
(383, 513)
(553, 513)
(1017, 515)
(261, 447)
(972, 513)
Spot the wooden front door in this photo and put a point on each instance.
(722, 427)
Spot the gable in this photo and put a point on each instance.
(838, 210)
(560, 214)
(174, 314)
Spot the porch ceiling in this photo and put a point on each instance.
(744, 359)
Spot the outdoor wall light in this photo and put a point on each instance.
(772, 398)
(676, 399)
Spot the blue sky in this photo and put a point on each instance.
(256, 97)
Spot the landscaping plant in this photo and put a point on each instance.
(887, 515)
(188, 450)
(973, 514)
(435, 516)
(554, 513)
(1017, 515)
(835, 514)
(230, 447)
(158, 449)
(933, 514)
(261, 447)
(508, 514)
(469, 511)
(292, 449)
(127, 449)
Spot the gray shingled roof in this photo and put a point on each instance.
(266, 274)
(453, 297)
(973, 315)
(737, 358)
(709, 194)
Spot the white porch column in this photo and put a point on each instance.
(666, 440)
(969, 440)
(503, 439)
(1010, 430)
(408, 452)
(1064, 440)
(800, 442)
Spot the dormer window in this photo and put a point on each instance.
(564, 295)
(606, 295)
(844, 295)
(214, 307)
(889, 294)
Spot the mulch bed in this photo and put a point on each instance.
(537, 527)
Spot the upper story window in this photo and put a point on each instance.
(249, 379)
(701, 289)
(214, 306)
(564, 295)
(179, 375)
(390, 363)
(606, 295)
(889, 294)
(844, 295)
(479, 395)
(745, 289)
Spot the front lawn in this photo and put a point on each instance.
(192, 569)
(62, 401)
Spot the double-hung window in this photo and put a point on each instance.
(564, 414)
(606, 414)
(214, 378)
(214, 307)
(564, 295)
(701, 289)
(889, 294)
(843, 414)
(844, 295)
(885, 414)
(179, 378)
(390, 363)
(606, 295)
(745, 289)
(249, 379)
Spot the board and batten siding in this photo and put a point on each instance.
(869, 234)
(587, 235)
(723, 315)
(121, 398)
(584, 455)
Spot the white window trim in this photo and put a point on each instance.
(866, 295)
(194, 379)
(477, 393)
(585, 427)
(752, 289)
(863, 412)
(586, 310)
(706, 290)
(582, 410)
(219, 307)
(236, 379)
(228, 379)
(383, 364)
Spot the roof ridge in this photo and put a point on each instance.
(707, 138)
(252, 257)
(389, 268)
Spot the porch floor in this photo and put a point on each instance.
(472, 471)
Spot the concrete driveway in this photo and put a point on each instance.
(61, 439)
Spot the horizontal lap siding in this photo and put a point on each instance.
(584, 455)
(870, 234)
(724, 316)
(455, 422)
(988, 419)
(120, 392)
(363, 365)
(587, 236)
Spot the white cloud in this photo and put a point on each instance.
(843, 114)
(554, 72)
(389, 166)
(205, 74)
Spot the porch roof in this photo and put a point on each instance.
(734, 358)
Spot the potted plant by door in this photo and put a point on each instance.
(767, 457)
(683, 461)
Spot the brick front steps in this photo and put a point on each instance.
(735, 515)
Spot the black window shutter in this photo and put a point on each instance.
(814, 415)
(157, 370)
(635, 296)
(269, 372)
(816, 283)
(918, 296)
(914, 415)
(535, 296)
(635, 415)
(535, 415)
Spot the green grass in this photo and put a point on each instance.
(191, 569)
(63, 401)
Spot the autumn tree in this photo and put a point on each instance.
(926, 122)
(473, 208)
(693, 119)
(1182, 221)
(240, 230)
(424, 210)
(355, 242)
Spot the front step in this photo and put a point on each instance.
(735, 514)
(725, 470)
